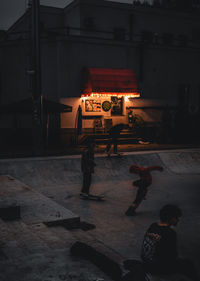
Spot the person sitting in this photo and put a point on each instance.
(159, 248)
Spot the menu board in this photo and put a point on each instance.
(116, 106)
(92, 106)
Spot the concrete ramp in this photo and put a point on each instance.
(183, 162)
(44, 171)
(67, 170)
(60, 179)
(35, 207)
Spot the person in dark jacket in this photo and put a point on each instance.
(114, 134)
(143, 183)
(87, 168)
(159, 248)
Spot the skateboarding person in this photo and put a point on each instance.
(87, 168)
(159, 248)
(143, 183)
(114, 134)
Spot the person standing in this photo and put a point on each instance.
(159, 248)
(143, 183)
(87, 168)
(114, 134)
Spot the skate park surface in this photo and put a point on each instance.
(31, 250)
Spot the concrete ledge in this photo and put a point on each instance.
(104, 258)
(10, 213)
(68, 223)
(112, 264)
(35, 207)
(176, 277)
(9, 210)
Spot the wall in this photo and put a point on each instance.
(68, 119)
(150, 115)
(72, 16)
(160, 69)
(15, 84)
(78, 54)
(49, 70)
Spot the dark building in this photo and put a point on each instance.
(133, 56)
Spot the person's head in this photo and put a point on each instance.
(170, 214)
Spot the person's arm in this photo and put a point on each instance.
(174, 251)
(153, 168)
(91, 159)
(169, 247)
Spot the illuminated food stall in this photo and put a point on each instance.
(107, 94)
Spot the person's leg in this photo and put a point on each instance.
(115, 145)
(108, 145)
(86, 182)
(89, 182)
(141, 193)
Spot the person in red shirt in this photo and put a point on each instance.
(143, 183)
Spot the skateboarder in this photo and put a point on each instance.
(143, 183)
(159, 249)
(114, 134)
(87, 167)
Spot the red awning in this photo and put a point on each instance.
(110, 80)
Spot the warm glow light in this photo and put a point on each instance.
(105, 94)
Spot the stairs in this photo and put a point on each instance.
(126, 137)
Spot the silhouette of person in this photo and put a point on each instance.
(114, 134)
(87, 167)
(159, 248)
(143, 183)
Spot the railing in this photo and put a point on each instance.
(144, 38)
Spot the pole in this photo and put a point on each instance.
(36, 80)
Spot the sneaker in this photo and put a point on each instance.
(83, 195)
(96, 195)
(130, 211)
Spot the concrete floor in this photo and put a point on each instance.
(35, 252)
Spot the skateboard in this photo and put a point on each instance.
(93, 197)
(114, 155)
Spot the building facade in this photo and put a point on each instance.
(159, 45)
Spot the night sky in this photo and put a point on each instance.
(11, 10)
